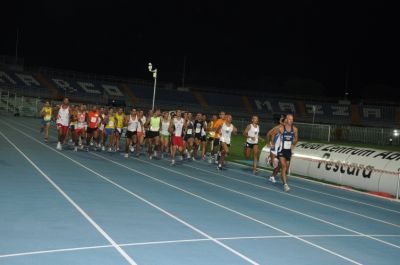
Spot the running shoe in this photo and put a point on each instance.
(272, 179)
(286, 188)
(59, 147)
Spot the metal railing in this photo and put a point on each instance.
(11, 102)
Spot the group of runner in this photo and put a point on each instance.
(162, 134)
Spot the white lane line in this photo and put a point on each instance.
(77, 207)
(53, 251)
(167, 242)
(295, 196)
(229, 209)
(143, 200)
(268, 202)
(310, 181)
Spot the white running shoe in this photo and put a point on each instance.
(126, 155)
(219, 167)
(59, 147)
(272, 179)
(173, 162)
(103, 148)
(286, 188)
(210, 160)
(132, 149)
(75, 149)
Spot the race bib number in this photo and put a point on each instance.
(287, 145)
(111, 123)
(198, 130)
(189, 131)
(93, 119)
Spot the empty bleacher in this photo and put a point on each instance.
(94, 89)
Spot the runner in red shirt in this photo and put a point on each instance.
(93, 120)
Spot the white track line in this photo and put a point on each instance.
(313, 182)
(143, 200)
(270, 203)
(77, 207)
(167, 242)
(229, 209)
(292, 195)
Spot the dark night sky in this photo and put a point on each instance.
(286, 44)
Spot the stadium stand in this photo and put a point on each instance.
(53, 85)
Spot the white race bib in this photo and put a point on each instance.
(198, 130)
(111, 123)
(189, 131)
(287, 145)
(93, 119)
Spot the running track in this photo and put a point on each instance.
(101, 208)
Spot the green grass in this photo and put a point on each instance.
(236, 150)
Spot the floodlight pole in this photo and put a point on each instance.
(398, 184)
(155, 83)
(313, 120)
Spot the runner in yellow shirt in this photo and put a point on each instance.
(46, 114)
(119, 117)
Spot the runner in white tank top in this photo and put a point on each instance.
(273, 142)
(131, 121)
(140, 132)
(252, 132)
(164, 133)
(176, 129)
(226, 130)
(63, 122)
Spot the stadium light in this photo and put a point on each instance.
(150, 66)
(396, 133)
